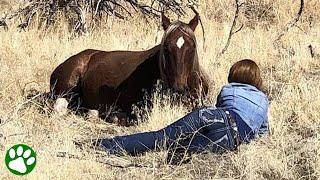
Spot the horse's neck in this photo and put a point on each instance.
(196, 65)
(152, 61)
(153, 51)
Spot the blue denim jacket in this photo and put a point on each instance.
(249, 107)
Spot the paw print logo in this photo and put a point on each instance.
(20, 159)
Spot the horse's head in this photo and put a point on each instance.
(178, 55)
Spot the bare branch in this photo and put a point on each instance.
(49, 11)
(232, 31)
(4, 24)
(292, 23)
(202, 27)
(238, 29)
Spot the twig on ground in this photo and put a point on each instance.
(104, 159)
(311, 51)
(14, 112)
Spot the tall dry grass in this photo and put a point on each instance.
(291, 77)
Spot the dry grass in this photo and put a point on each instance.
(291, 76)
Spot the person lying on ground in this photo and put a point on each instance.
(240, 115)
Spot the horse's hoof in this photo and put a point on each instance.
(61, 106)
(120, 119)
(93, 113)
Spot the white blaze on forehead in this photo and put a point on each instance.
(180, 42)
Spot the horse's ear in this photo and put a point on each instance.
(165, 21)
(194, 22)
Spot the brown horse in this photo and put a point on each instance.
(97, 80)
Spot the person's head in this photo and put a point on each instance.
(246, 72)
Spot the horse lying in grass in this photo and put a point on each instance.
(96, 80)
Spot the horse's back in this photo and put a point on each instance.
(113, 67)
(109, 73)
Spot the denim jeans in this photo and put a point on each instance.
(205, 129)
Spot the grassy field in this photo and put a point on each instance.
(291, 77)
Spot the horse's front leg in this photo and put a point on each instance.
(116, 115)
(199, 87)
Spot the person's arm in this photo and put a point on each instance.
(264, 128)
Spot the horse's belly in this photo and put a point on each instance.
(96, 92)
(99, 94)
(108, 83)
